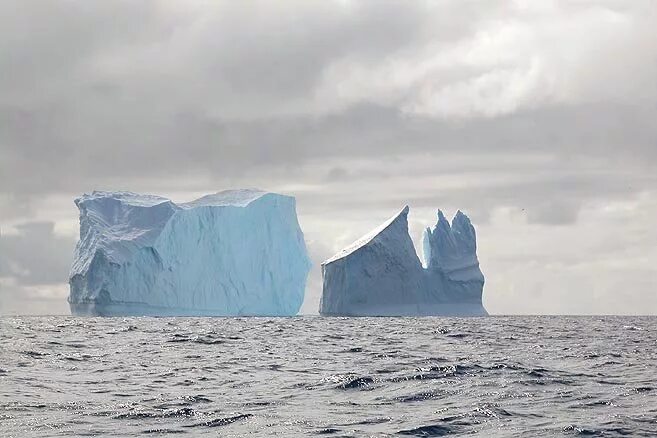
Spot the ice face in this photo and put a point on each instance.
(379, 270)
(238, 252)
(381, 274)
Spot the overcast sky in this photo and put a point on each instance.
(538, 119)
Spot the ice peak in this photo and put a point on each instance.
(464, 232)
(442, 224)
(451, 247)
(399, 219)
(460, 220)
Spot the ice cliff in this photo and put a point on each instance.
(381, 275)
(238, 252)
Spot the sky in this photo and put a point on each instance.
(537, 119)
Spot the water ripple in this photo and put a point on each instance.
(337, 377)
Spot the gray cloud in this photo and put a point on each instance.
(36, 255)
(34, 264)
(354, 107)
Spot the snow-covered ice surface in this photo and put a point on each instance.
(381, 275)
(237, 252)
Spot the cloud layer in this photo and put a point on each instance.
(536, 118)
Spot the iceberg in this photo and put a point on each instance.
(381, 274)
(237, 252)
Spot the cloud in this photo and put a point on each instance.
(354, 107)
(33, 300)
(214, 92)
(34, 262)
(519, 57)
(35, 255)
(598, 265)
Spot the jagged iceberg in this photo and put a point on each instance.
(238, 252)
(381, 275)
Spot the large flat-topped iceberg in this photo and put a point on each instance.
(381, 275)
(237, 252)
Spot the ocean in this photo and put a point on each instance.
(328, 377)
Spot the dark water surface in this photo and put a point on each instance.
(313, 376)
